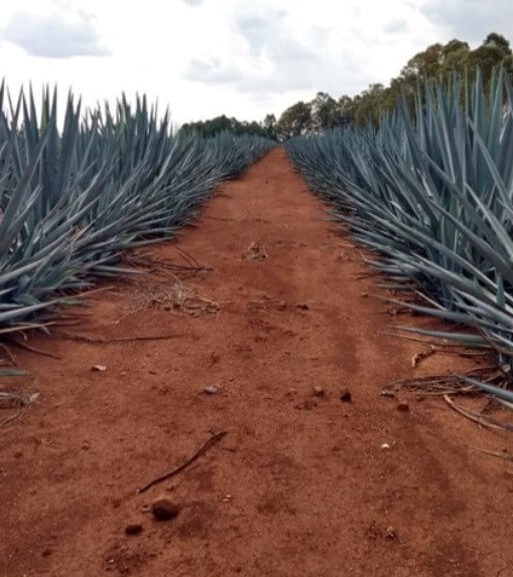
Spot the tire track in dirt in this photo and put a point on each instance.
(310, 490)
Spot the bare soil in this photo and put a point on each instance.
(300, 485)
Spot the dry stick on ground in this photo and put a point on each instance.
(32, 349)
(222, 218)
(157, 265)
(188, 257)
(9, 353)
(436, 384)
(438, 344)
(504, 456)
(203, 449)
(90, 339)
(489, 423)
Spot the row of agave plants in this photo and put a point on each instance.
(78, 190)
(430, 193)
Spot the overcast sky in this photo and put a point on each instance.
(240, 57)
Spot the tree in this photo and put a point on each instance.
(368, 105)
(345, 109)
(324, 111)
(494, 52)
(424, 64)
(224, 124)
(296, 120)
(269, 126)
(494, 39)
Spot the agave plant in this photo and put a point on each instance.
(431, 194)
(72, 199)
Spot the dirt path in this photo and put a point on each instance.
(299, 486)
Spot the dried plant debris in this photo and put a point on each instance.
(255, 251)
(147, 261)
(451, 384)
(176, 297)
(432, 385)
(478, 418)
(420, 356)
(17, 401)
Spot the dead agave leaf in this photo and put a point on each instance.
(419, 357)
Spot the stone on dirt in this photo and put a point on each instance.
(133, 529)
(345, 396)
(403, 406)
(318, 391)
(163, 509)
(210, 390)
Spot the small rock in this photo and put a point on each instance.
(389, 394)
(403, 406)
(46, 552)
(385, 447)
(100, 368)
(303, 307)
(227, 498)
(164, 509)
(292, 391)
(345, 396)
(281, 306)
(210, 390)
(318, 391)
(133, 529)
(390, 534)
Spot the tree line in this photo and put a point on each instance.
(324, 111)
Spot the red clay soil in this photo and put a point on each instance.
(300, 485)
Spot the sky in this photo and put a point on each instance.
(242, 58)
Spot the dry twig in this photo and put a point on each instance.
(101, 340)
(497, 454)
(479, 419)
(203, 449)
(35, 350)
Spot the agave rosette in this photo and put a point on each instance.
(430, 192)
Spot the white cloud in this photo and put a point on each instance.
(471, 20)
(240, 57)
(62, 32)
